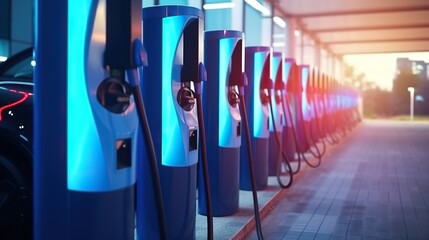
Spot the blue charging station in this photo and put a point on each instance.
(173, 39)
(302, 109)
(224, 63)
(257, 69)
(312, 97)
(328, 103)
(320, 99)
(336, 98)
(289, 72)
(323, 103)
(98, 146)
(275, 151)
(331, 96)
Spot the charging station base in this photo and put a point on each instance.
(110, 211)
(225, 184)
(260, 153)
(274, 153)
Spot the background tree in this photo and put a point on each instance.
(376, 102)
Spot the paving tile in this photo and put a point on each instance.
(326, 230)
(353, 238)
(275, 235)
(322, 236)
(291, 235)
(307, 236)
(338, 237)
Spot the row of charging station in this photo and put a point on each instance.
(103, 169)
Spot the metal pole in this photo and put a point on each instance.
(411, 90)
(412, 105)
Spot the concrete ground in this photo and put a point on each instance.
(374, 184)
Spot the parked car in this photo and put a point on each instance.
(16, 146)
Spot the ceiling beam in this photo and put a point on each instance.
(381, 48)
(387, 40)
(362, 11)
(372, 34)
(302, 27)
(364, 28)
(342, 53)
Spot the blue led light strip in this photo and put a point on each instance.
(274, 69)
(226, 46)
(172, 143)
(258, 114)
(82, 137)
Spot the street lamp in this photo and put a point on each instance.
(411, 90)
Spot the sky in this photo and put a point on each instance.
(381, 68)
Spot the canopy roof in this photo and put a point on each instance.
(362, 26)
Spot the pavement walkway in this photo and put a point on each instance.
(373, 185)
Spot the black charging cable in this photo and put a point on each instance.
(316, 138)
(204, 163)
(300, 152)
(319, 131)
(293, 128)
(286, 161)
(250, 158)
(331, 135)
(313, 144)
(134, 80)
(310, 145)
(336, 124)
(339, 118)
(323, 117)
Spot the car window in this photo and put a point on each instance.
(22, 69)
